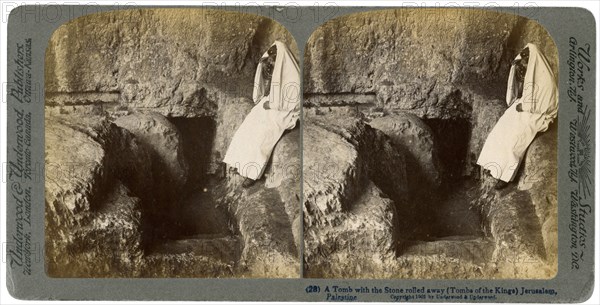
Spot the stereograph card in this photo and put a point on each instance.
(318, 153)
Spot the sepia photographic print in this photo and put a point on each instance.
(441, 130)
(172, 148)
(300, 153)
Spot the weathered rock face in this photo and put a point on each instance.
(228, 119)
(413, 137)
(539, 178)
(268, 214)
(522, 219)
(361, 245)
(93, 222)
(331, 174)
(162, 138)
(486, 112)
(191, 258)
(109, 246)
(103, 152)
(104, 201)
(284, 174)
(269, 248)
(433, 81)
(151, 98)
(174, 61)
(348, 222)
(353, 228)
(426, 61)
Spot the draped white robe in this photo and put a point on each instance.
(253, 142)
(507, 143)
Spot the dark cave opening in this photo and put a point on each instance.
(446, 211)
(451, 138)
(197, 136)
(199, 211)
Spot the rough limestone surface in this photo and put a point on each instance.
(232, 112)
(360, 245)
(284, 174)
(91, 213)
(193, 258)
(269, 247)
(350, 124)
(174, 61)
(421, 60)
(267, 214)
(111, 245)
(486, 112)
(414, 73)
(78, 176)
(520, 221)
(162, 138)
(540, 179)
(124, 94)
(73, 208)
(445, 259)
(413, 137)
(331, 175)
(350, 227)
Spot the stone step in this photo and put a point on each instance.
(219, 246)
(457, 257)
(466, 248)
(205, 255)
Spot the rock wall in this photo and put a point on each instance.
(523, 219)
(414, 74)
(539, 178)
(350, 173)
(127, 88)
(93, 223)
(426, 61)
(356, 226)
(164, 141)
(268, 214)
(160, 63)
(416, 140)
(174, 61)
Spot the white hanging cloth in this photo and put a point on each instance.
(507, 143)
(253, 142)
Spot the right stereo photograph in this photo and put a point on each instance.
(430, 146)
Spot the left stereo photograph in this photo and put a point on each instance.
(172, 146)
